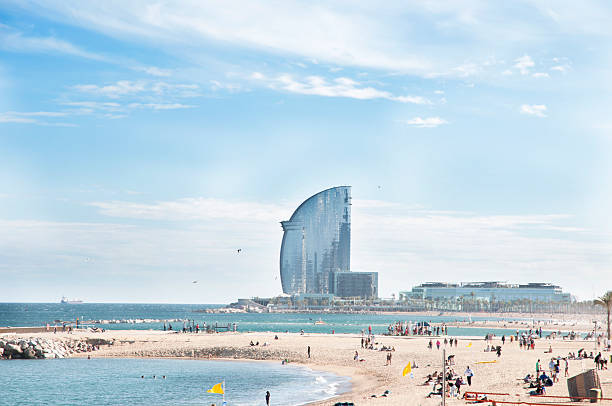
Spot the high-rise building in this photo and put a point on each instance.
(355, 284)
(317, 242)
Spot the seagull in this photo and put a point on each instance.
(194, 282)
(379, 187)
(239, 250)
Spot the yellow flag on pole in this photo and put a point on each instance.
(407, 370)
(218, 388)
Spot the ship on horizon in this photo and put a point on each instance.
(65, 300)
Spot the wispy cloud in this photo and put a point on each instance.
(538, 110)
(524, 64)
(428, 122)
(115, 90)
(154, 71)
(34, 117)
(338, 87)
(17, 42)
(160, 106)
(541, 75)
(124, 88)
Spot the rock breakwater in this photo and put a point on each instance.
(43, 348)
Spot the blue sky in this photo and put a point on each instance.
(142, 143)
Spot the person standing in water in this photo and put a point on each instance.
(267, 398)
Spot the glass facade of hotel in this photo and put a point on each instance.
(317, 242)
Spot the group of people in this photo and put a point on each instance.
(446, 341)
(403, 328)
(453, 382)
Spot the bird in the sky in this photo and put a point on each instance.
(239, 250)
(379, 187)
(194, 282)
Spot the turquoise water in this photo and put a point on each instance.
(38, 314)
(118, 382)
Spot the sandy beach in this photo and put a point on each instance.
(335, 353)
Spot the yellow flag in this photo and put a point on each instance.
(469, 345)
(407, 370)
(218, 388)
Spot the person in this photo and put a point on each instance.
(566, 367)
(438, 344)
(388, 358)
(538, 368)
(356, 357)
(469, 374)
(164, 326)
(503, 339)
(267, 398)
(308, 351)
(498, 351)
(458, 383)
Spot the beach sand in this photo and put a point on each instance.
(335, 352)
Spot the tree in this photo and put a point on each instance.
(605, 301)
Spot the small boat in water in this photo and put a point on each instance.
(319, 322)
(65, 300)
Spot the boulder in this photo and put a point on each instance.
(29, 353)
(13, 350)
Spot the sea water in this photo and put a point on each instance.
(39, 314)
(116, 381)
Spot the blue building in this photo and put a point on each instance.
(317, 242)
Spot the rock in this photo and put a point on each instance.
(29, 353)
(13, 350)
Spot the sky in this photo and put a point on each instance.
(143, 142)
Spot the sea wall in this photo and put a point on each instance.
(43, 348)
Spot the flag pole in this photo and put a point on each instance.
(444, 377)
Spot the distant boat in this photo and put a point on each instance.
(319, 322)
(65, 300)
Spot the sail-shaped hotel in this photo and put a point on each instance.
(317, 242)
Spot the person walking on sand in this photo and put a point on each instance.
(267, 398)
(308, 351)
(538, 368)
(469, 374)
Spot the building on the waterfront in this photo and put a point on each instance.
(317, 242)
(487, 291)
(355, 284)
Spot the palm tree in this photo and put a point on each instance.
(605, 301)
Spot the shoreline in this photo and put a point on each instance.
(334, 353)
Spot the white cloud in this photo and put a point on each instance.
(338, 87)
(405, 243)
(115, 90)
(538, 110)
(507, 72)
(34, 117)
(541, 75)
(161, 106)
(428, 122)
(17, 42)
(524, 64)
(561, 68)
(154, 71)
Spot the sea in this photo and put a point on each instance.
(134, 382)
(139, 316)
